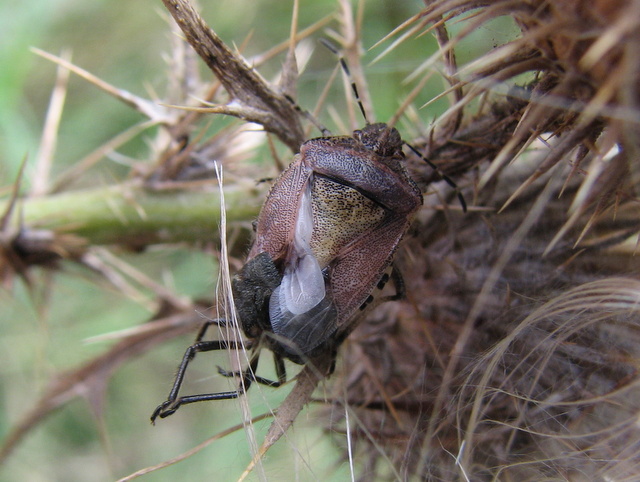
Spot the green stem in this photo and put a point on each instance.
(130, 214)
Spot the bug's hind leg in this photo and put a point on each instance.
(173, 401)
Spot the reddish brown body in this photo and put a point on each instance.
(325, 236)
(329, 228)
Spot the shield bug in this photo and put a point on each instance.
(324, 240)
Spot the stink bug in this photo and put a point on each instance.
(325, 238)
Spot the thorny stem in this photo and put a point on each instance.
(129, 214)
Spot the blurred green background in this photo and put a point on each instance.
(44, 330)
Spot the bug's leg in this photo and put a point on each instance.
(442, 175)
(205, 327)
(173, 402)
(249, 375)
(281, 371)
(398, 283)
(332, 367)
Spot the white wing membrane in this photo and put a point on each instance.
(299, 309)
(302, 285)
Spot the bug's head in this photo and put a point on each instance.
(381, 139)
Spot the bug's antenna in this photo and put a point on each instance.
(347, 72)
(444, 177)
(307, 115)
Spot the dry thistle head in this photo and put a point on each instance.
(518, 338)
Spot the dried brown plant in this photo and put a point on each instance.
(515, 353)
